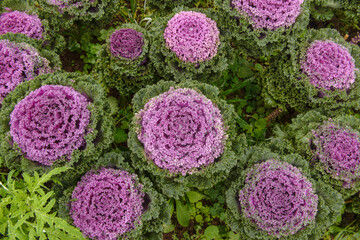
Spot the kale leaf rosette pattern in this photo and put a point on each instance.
(277, 198)
(67, 12)
(52, 120)
(188, 45)
(110, 201)
(262, 27)
(21, 22)
(183, 135)
(324, 74)
(331, 145)
(22, 62)
(123, 62)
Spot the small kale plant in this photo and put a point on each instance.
(321, 72)
(27, 208)
(188, 44)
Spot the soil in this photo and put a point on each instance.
(71, 61)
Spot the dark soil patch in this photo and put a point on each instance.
(71, 61)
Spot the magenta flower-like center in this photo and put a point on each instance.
(50, 123)
(329, 65)
(20, 22)
(181, 130)
(338, 151)
(192, 36)
(19, 62)
(108, 204)
(269, 14)
(278, 198)
(127, 43)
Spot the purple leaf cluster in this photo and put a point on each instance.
(50, 123)
(192, 36)
(329, 65)
(126, 43)
(107, 204)
(181, 130)
(19, 62)
(338, 152)
(278, 198)
(20, 22)
(269, 14)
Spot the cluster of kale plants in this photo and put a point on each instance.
(168, 127)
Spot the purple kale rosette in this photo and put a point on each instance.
(50, 123)
(126, 43)
(181, 130)
(269, 14)
(21, 22)
(192, 36)
(184, 136)
(54, 120)
(276, 197)
(107, 204)
(188, 44)
(329, 65)
(21, 62)
(321, 72)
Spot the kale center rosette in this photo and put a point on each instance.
(338, 151)
(192, 36)
(50, 123)
(184, 136)
(181, 130)
(107, 204)
(21, 62)
(126, 43)
(54, 120)
(20, 22)
(188, 45)
(278, 198)
(329, 65)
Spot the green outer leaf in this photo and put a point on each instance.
(169, 66)
(100, 129)
(175, 185)
(329, 205)
(169, 5)
(194, 196)
(96, 12)
(182, 213)
(284, 83)
(299, 135)
(259, 42)
(127, 76)
(155, 215)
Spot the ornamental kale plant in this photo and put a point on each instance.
(59, 133)
(181, 130)
(322, 72)
(183, 135)
(192, 36)
(168, 5)
(276, 197)
(55, 119)
(21, 22)
(329, 65)
(123, 61)
(21, 62)
(330, 144)
(106, 204)
(265, 26)
(188, 45)
(111, 201)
